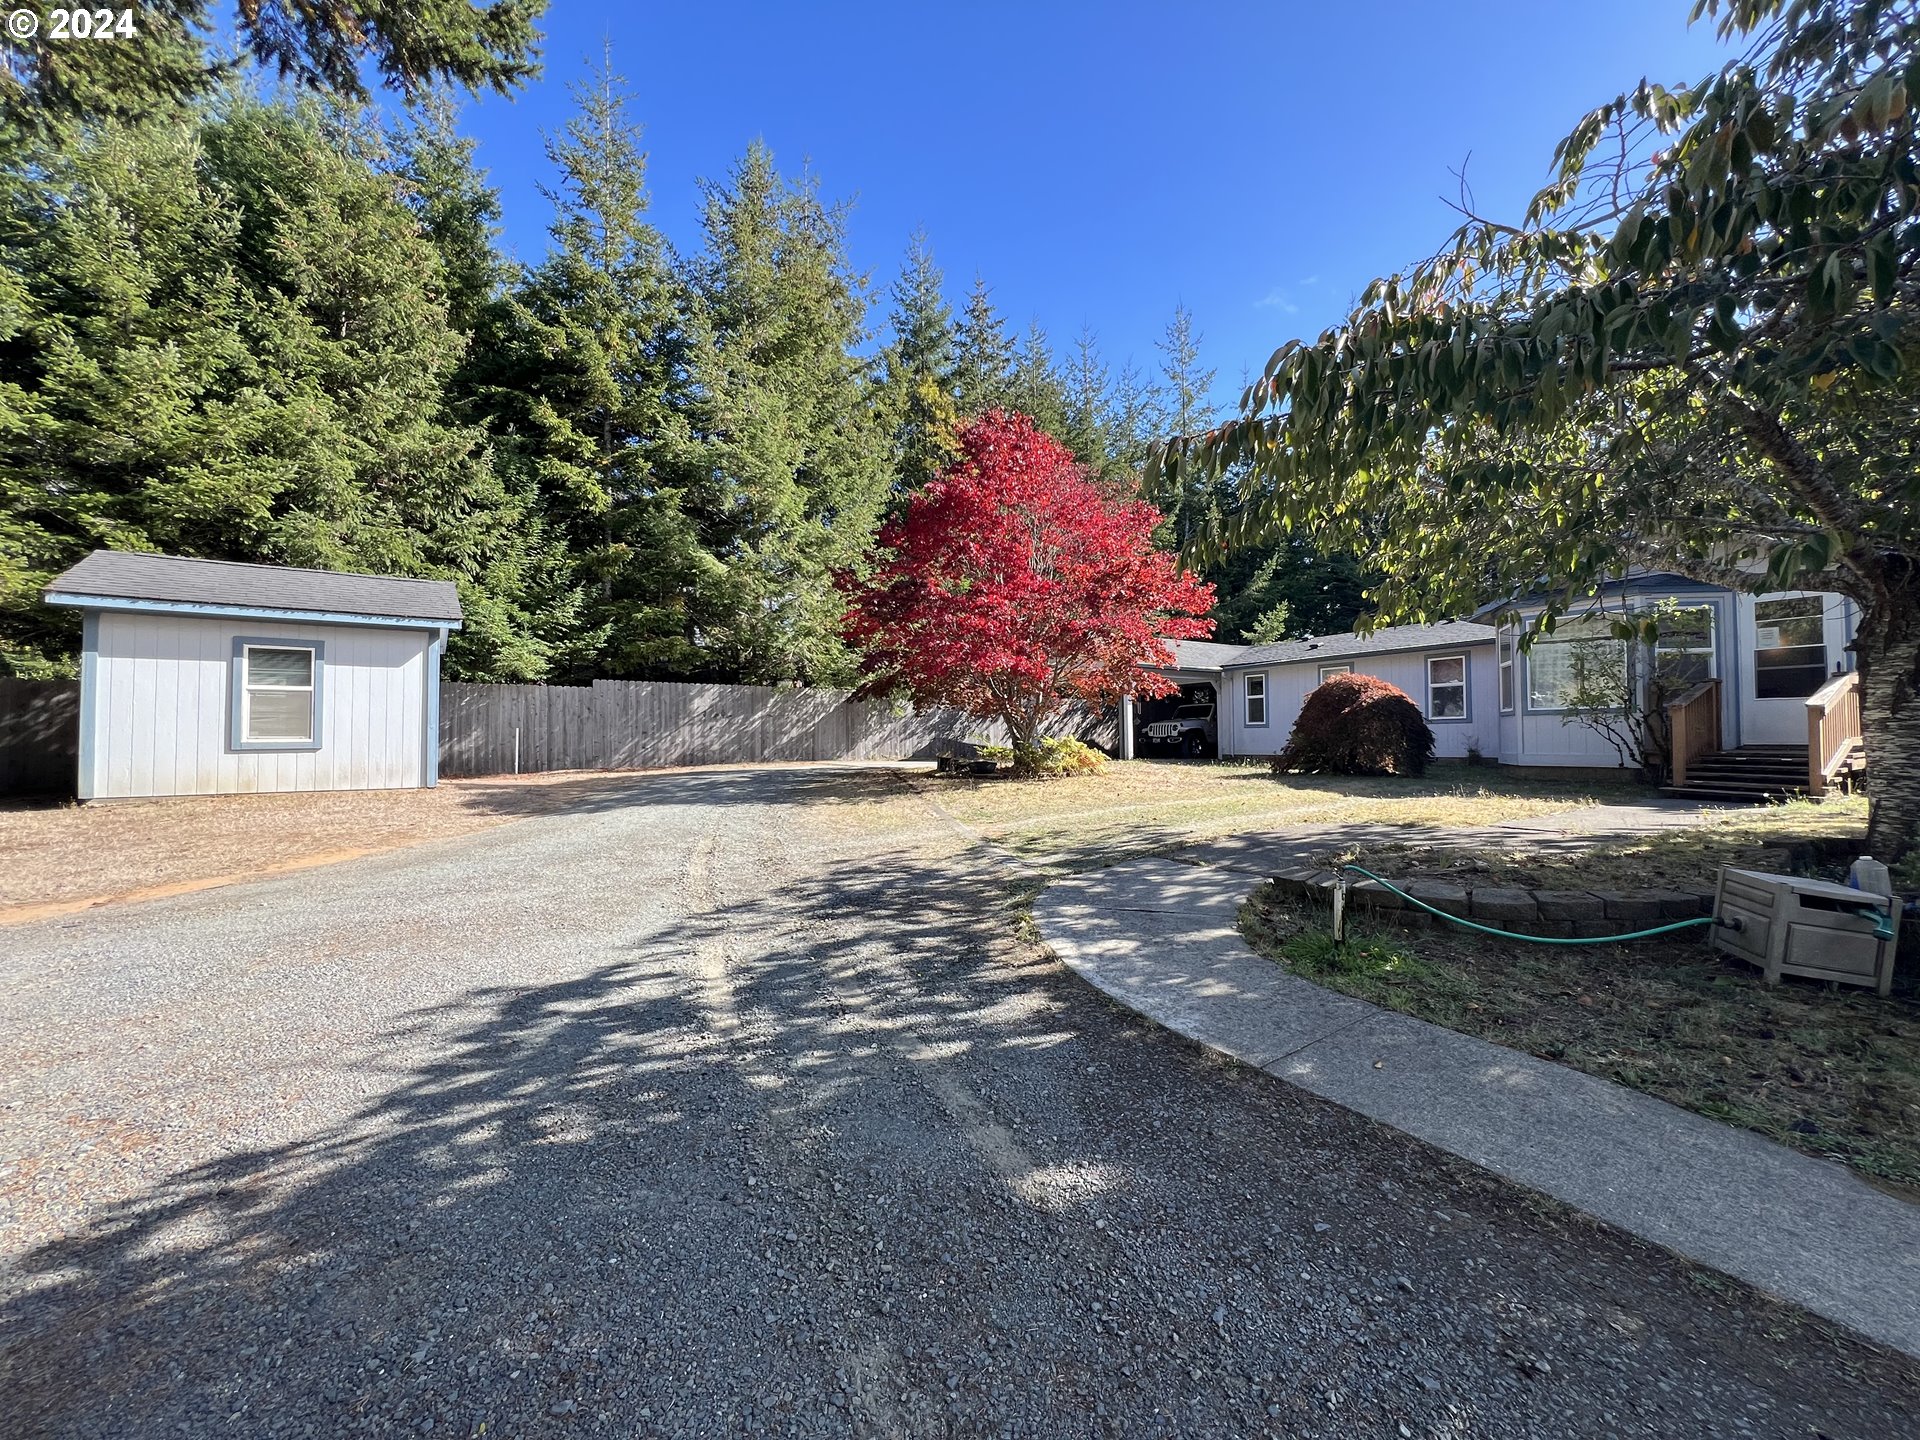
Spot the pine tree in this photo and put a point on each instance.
(786, 420)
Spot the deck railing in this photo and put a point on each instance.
(1833, 728)
(1693, 726)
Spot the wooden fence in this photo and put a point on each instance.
(609, 725)
(647, 724)
(39, 736)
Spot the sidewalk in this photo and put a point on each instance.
(1159, 936)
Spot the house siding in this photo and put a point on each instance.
(158, 721)
(1289, 685)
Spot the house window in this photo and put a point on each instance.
(1789, 647)
(1447, 687)
(1582, 660)
(1256, 699)
(1327, 672)
(276, 695)
(1683, 652)
(1506, 676)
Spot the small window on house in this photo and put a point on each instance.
(276, 694)
(1447, 687)
(1506, 677)
(1683, 653)
(1327, 672)
(1790, 648)
(1256, 699)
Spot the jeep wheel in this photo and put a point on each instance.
(1196, 745)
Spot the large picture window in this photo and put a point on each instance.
(1447, 687)
(1789, 648)
(1581, 658)
(276, 694)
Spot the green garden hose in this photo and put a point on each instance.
(1533, 939)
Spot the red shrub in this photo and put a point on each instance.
(1358, 725)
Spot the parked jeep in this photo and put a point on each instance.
(1190, 730)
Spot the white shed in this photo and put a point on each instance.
(205, 677)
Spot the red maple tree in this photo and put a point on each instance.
(1012, 587)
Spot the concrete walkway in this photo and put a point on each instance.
(1160, 937)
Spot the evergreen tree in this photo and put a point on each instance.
(1186, 407)
(917, 397)
(228, 339)
(581, 372)
(161, 61)
(985, 358)
(1034, 389)
(789, 442)
(1088, 405)
(523, 609)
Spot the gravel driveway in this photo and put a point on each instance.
(698, 1111)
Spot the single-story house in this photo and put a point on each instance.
(205, 677)
(1769, 678)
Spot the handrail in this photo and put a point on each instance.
(1833, 728)
(1693, 728)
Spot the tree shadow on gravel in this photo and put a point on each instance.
(852, 1157)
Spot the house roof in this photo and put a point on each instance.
(1383, 641)
(1201, 655)
(172, 579)
(1639, 582)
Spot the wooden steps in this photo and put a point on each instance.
(1754, 774)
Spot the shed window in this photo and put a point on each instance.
(1447, 687)
(1256, 699)
(1327, 672)
(1506, 676)
(277, 693)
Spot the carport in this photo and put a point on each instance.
(1196, 669)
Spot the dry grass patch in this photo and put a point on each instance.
(1137, 807)
(1829, 1070)
(1796, 837)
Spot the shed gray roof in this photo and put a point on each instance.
(1386, 640)
(130, 575)
(1202, 654)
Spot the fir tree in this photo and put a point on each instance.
(985, 358)
(1186, 407)
(916, 399)
(582, 374)
(789, 444)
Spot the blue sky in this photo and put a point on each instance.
(1100, 164)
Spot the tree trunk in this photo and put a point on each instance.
(1889, 651)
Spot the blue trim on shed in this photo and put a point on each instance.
(89, 696)
(246, 612)
(430, 741)
(236, 734)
